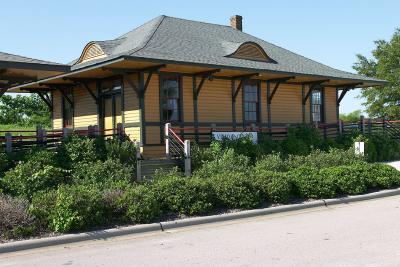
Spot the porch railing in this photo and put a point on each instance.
(177, 148)
(20, 140)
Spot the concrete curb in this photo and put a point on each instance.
(104, 234)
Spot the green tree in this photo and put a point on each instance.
(24, 110)
(351, 116)
(385, 64)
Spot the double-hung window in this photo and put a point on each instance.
(317, 105)
(251, 102)
(170, 98)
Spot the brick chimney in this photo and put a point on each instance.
(236, 22)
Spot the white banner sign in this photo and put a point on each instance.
(359, 148)
(235, 135)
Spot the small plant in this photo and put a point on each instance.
(142, 204)
(15, 221)
(29, 177)
(227, 161)
(77, 207)
(81, 149)
(188, 196)
(271, 162)
(275, 187)
(309, 184)
(101, 173)
(42, 207)
(124, 151)
(235, 190)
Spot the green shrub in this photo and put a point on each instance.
(242, 146)
(15, 221)
(188, 196)
(77, 207)
(29, 177)
(385, 146)
(349, 180)
(101, 173)
(142, 204)
(308, 183)
(4, 164)
(275, 187)
(42, 207)
(235, 190)
(41, 157)
(267, 145)
(382, 176)
(358, 178)
(271, 162)
(301, 140)
(228, 161)
(321, 159)
(201, 155)
(81, 149)
(124, 151)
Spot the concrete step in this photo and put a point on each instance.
(150, 166)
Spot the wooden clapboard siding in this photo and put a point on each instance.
(57, 114)
(330, 105)
(85, 108)
(152, 135)
(187, 97)
(286, 104)
(154, 151)
(152, 100)
(215, 101)
(263, 98)
(131, 109)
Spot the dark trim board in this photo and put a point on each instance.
(33, 66)
(217, 123)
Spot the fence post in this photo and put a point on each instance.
(383, 125)
(90, 131)
(166, 129)
(44, 137)
(8, 137)
(138, 162)
(39, 134)
(66, 133)
(340, 127)
(96, 130)
(188, 167)
(120, 130)
(369, 126)
(362, 125)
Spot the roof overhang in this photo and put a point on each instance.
(14, 73)
(129, 64)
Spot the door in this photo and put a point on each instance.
(112, 114)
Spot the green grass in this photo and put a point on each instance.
(12, 127)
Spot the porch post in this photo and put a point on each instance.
(303, 105)
(188, 168)
(141, 109)
(269, 106)
(167, 128)
(233, 85)
(195, 109)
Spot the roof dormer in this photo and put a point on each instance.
(91, 51)
(251, 51)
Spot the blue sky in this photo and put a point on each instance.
(331, 32)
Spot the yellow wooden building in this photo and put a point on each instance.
(197, 76)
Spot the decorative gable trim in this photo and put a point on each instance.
(251, 51)
(91, 51)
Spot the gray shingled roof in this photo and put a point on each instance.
(20, 59)
(186, 41)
